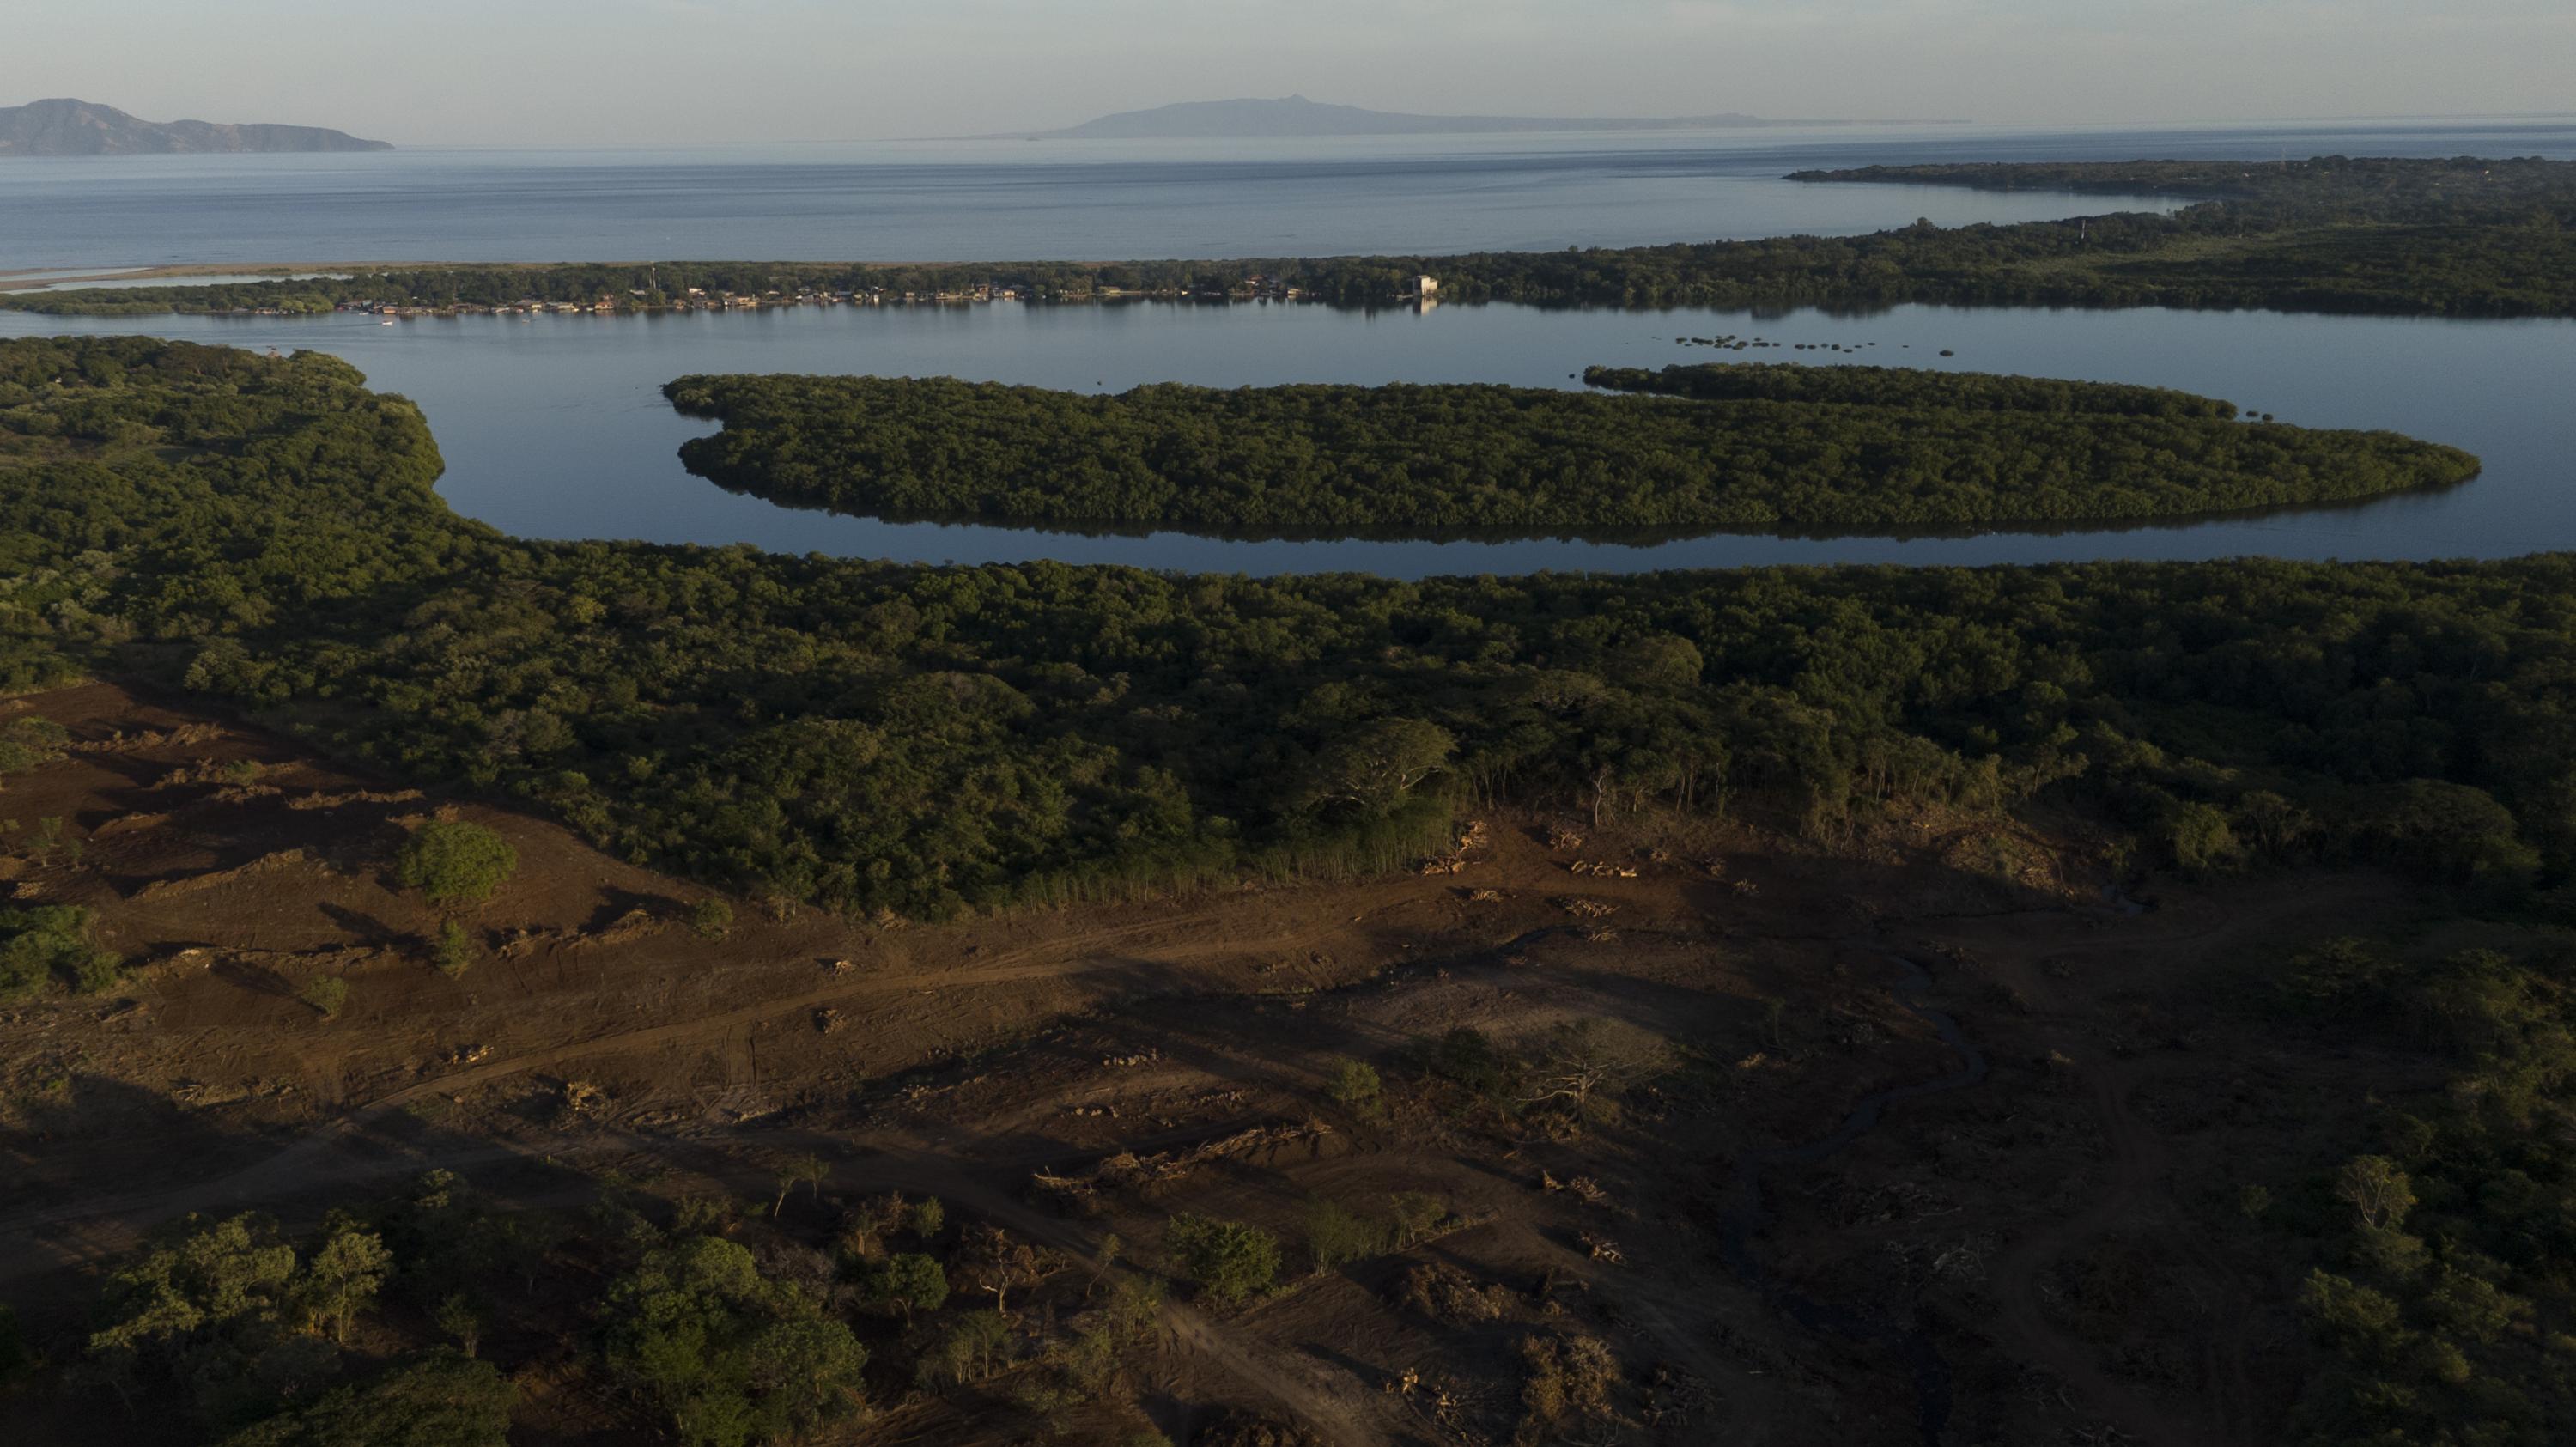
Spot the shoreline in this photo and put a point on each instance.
(45, 278)
(39, 278)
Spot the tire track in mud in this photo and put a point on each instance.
(300, 1165)
(2020, 1318)
(292, 1168)
(2137, 1191)
(309, 1164)
(1742, 1223)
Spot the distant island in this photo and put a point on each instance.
(1297, 116)
(85, 128)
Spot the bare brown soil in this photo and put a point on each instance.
(2057, 1229)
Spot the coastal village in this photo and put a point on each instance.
(696, 299)
(1421, 291)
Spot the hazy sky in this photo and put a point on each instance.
(532, 72)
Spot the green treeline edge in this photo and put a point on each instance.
(1940, 450)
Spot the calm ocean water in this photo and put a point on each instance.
(1096, 200)
(553, 427)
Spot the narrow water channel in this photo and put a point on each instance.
(555, 427)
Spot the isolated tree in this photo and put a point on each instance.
(928, 1217)
(343, 1276)
(909, 1282)
(991, 1259)
(1469, 1057)
(454, 863)
(2379, 1193)
(1415, 1216)
(1337, 1235)
(28, 742)
(1135, 1308)
(462, 1317)
(971, 1347)
(1585, 1058)
(1566, 1374)
(808, 1171)
(1229, 1260)
(1355, 1087)
(2199, 839)
(711, 919)
(326, 995)
(52, 945)
(454, 953)
(870, 1223)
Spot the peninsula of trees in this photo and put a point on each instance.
(1908, 387)
(2461, 237)
(1786, 447)
(926, 740)
(66, 127)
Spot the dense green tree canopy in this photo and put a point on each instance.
(1912, 388)
(2437, 1279)
(1231, 1261)
(50, 946)
(231, 1315)
(441, 1400)
(1749, 447)
(732, 1356)
(919, 739)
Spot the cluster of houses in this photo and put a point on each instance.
(521, 307)
(694, 299)
(1261, 288)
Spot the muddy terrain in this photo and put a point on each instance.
(1924, 1136)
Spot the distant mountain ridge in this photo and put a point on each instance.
(64, 127)
(1297, 116)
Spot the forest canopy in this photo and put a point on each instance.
(1908, 387)
(2454, 237)
(925, 740)
(1725, 446)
